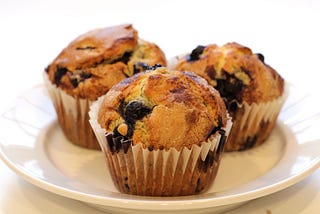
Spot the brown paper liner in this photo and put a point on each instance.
(140, 171)
(252, 124)
(72, 115)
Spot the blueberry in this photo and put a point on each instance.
(130, 112)
(195, 53)
(116, 141)
(124, 58)
(78, 77)
(154, 67)
(139, 67)
(230, 87)
(60, 71)
(135, 110)
(260, 56)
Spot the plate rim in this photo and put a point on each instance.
(162, 203)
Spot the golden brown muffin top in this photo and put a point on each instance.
(236, 72)
(163, 109)
(91, 64)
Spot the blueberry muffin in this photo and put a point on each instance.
(162, 132)
(252, 90)
(88, 67)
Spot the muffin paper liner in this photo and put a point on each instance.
(72, 114)
(253, 123)
(141, 171)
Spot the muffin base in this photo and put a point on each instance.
(73, 117)
(141, 171)
(252, 124)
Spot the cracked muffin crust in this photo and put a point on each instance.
(163, 132)
(235, 71)
(91, 64)
(163, 109)
(88, 67)
(242, 78)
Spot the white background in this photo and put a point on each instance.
(33, 32)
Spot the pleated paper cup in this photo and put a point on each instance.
(142, 171)
(72, 115)
(252, 124)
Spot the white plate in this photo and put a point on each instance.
(33, 145)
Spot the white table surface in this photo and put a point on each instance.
(32, 33)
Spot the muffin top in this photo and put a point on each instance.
(163, 109)
(237, 73)
(91, 64)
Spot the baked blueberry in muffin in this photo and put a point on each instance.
(88, 67)
(162, 132)
(252, 90)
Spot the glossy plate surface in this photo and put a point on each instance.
(32, 144)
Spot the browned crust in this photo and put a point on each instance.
(97, 55)
(107, 42)
(265, 83)
(185, 108)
